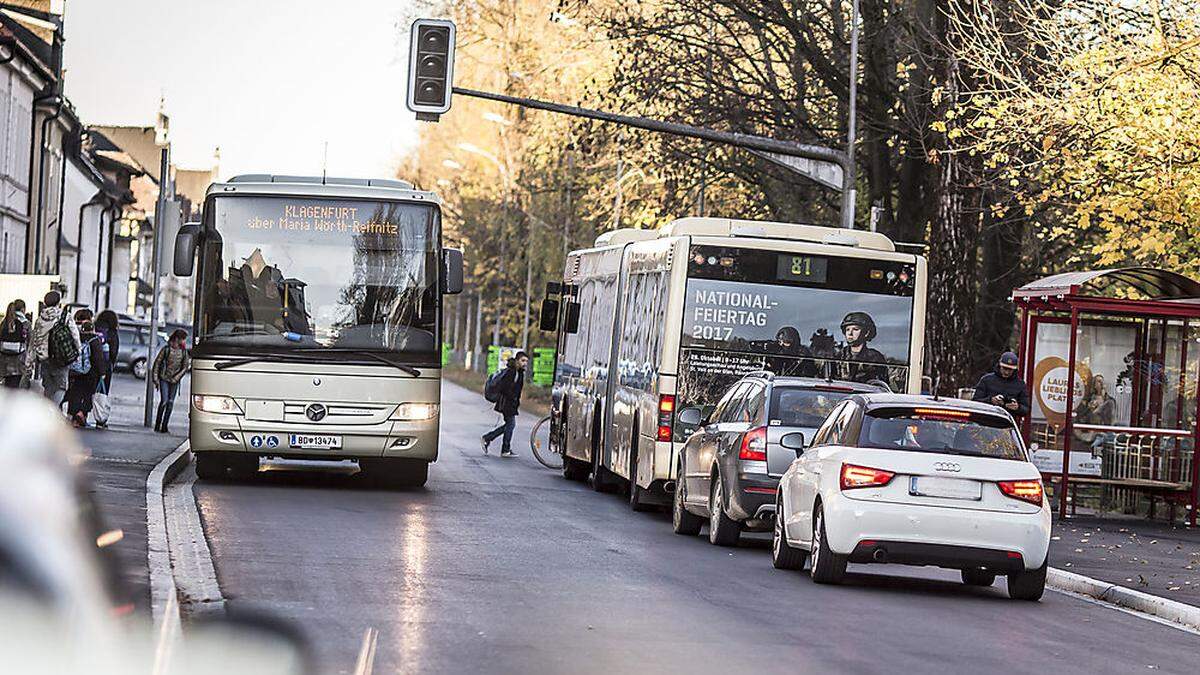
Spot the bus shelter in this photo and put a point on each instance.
(1112, 360)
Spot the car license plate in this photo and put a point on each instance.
(946, 488)
(314, 441)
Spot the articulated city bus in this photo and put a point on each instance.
(652, 322)
(318, 308)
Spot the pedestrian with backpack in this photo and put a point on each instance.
(171, 364)
(53, 347)
(14, 342)
(504, 389)
(87, 371)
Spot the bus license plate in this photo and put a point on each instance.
(315, 441)
(946, 488)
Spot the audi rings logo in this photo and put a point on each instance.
(949, 467)
(316, 412)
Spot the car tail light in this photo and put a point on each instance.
(1025, 490)
(666, 416)
(854, 476)
(754, 445)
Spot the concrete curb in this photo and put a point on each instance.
(1169, 610)
(163, 601)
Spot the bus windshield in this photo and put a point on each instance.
(802, 315)
(320, 275)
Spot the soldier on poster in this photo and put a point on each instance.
(860, 362)
(790, 356)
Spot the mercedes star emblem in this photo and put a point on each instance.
(316, 412)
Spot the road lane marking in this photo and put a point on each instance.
(365, 663)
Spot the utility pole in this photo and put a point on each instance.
(528, 287)
(160, 221)
(851, 124)
(479, 360)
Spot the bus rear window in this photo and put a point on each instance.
(955, 432)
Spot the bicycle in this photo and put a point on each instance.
(539, 444)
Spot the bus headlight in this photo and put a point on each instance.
(215, 404)
(415, 412)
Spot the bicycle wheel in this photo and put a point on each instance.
(539, 443)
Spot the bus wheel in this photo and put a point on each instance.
(397, 472)
(601, 481)
(638, 496)
(574, 469)
(210, 465)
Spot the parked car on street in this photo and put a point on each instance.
(916, 480)
(729, 468)
(133, 356)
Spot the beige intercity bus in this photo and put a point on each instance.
(651, 322)
(318, 305)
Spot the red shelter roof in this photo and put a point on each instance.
(1129, 290)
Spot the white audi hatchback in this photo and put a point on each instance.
(916, 480)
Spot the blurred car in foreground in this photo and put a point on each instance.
(59, 605)
(915, 480)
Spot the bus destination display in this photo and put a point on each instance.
(803, 268)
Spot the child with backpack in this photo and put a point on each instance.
(53, 347)
(86, 371)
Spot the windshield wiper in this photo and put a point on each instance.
(371, 355)
(234, 363)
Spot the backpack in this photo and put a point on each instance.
(61, 349)
(491, 390)
(82, 364)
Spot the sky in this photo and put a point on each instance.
(267, 81)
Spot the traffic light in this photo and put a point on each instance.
(431, 68)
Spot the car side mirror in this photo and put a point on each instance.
(794, 442)
(452, 271)
(186, 241)
(548, 320)
(690, 417)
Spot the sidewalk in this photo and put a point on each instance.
(121, 458)
(1150, 557)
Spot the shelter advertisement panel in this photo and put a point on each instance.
(1103, 388)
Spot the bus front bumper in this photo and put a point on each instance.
(214, 432)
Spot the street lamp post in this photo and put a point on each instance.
(160, 220)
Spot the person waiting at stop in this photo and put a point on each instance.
(1003, 388)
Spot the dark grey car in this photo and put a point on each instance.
(134, 355)
(730, 466)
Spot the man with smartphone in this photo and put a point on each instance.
(1003, 388)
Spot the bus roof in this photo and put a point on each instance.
(754, 229)
(321, 186)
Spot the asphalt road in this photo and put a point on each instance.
(501, 566)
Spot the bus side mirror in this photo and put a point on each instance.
(548, 321)
(452, 271)
(571, 324)
(185, 249)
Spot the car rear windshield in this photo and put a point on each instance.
(956, 432)
(802, 407)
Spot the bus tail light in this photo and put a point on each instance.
(1025, 490)
(754, 445)
(854, 476)
(666, 416)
